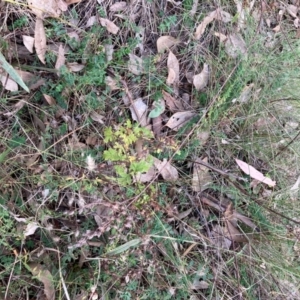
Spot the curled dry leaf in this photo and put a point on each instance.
(109, 25)
(28, 42)
(172, 103)
(200, 80)
(179, 119)
(44, 276)
(173, 69)
(138, 111)
(167, 171)
(201, 176)
(60, 58)
(235, 45)
(31, 228)
(135, 64)
(253, 173)
(40, 40)
(165, 42)
(118, 6)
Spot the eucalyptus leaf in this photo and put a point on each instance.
(12, 72)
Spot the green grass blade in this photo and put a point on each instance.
(125, 247)
(12, 72)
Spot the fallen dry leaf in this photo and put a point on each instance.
(62, 5)
(43, 275)
(194, 8)
(135, 64)
(8, 83)
(203, 136)
(69, 2)
(109, 51)
(167, 171)
(202, 26)
(292, 10)
(219, 237)
(200, 80)
(245, 94)
(235, 45)
(90, 163)
(109, 25)
(75, 67)
(118, 6)
(28, 42)
(201, 177)
(60, 58)
(221, 36)
(296, 185)
(165, 42)
(241, 14)
(97, 117)
(111, 83)
(157, 125)
(51, 101)
(172, 103)
(173, 69)
(19, 105)
(199, 285)
(222, 15)
(91, 21)
(74, 35)
(44, 8)
(138, 111)
(145, 177)
(179, 119)
(40, 40)
(253, 173)
(232, 231)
